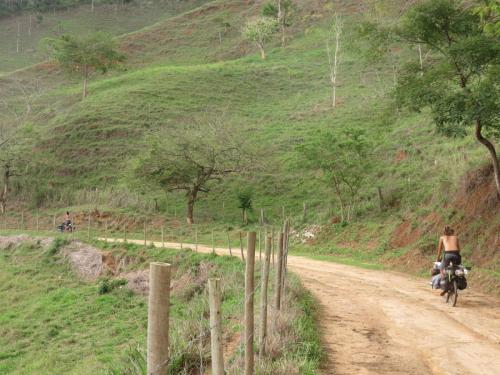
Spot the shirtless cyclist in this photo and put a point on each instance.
(451, 249)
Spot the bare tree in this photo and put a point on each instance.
(334, 57)
(192, 158)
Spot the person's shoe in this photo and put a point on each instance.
(443, 293)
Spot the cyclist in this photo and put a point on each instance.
(448, 241)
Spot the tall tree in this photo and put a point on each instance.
(245, 203)
(10, 157)
(334, 57)
(259, 30)
(282, 11)
(85, 55)
(192, 159)
(344, 161)
(461, 83)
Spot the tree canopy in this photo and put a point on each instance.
(192, 158)
(259, 30)
(85, 55)
(461, 82)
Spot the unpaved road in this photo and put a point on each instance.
(375, 322)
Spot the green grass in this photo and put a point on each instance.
(52, 322)
(79, 20)
(177, 70)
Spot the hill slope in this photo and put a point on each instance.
(179, 68)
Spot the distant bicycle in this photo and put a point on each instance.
(66, 227)
(454, 281)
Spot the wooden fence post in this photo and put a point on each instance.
(162, 238)
(214, 296)
(263, 298)
(158, 318)
(125, 233)
(241, 247)
(213, 242)
(106, 231)
(196, 238)
(272, 245)
(249, 311)
(22, 220)
(279, 269)
(54, 222)
(260, 244)
(145, 242)
(88, 228)
(286, 230)
(229, 244)
(261, 216)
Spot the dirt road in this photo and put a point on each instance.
(376, 322)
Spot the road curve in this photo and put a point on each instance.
(379, 322)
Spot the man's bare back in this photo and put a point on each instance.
(450, 243)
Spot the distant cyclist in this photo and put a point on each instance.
(67, 221)
(451, 250)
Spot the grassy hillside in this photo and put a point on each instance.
(178, 69)
(54, 322)
(113, 19)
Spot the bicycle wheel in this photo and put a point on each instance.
(455, 293)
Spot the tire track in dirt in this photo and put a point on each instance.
(377, 322)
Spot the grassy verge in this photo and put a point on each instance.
(53, 322)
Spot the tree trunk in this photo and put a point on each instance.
(3, 194)
(262, 52)
(491, 149)
(245, 216)
(339, 196)
(190, 210)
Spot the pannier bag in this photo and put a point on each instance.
(461, 283)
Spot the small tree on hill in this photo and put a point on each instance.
(85, 55)
(344, 161)
(282, 11)
(10, 157)
(259, 31)
(191, 159)
(461, 83)
(245, 204)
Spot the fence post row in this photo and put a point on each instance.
(263, 298)
(241, 247)
(229, 244)
(279, 269)
(196, 238)
(249, 310)
(158, 318)
(162, 238)
(213, 242)
(286, 227)
(214, 294)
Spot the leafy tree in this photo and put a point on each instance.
(344, 161)
(10, 163)
(245, 204)
(461, 83)
(489, 12)
(191, 159)
(281, 10)
(259, 30)
(85, 55)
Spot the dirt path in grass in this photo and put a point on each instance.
(378, 322)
